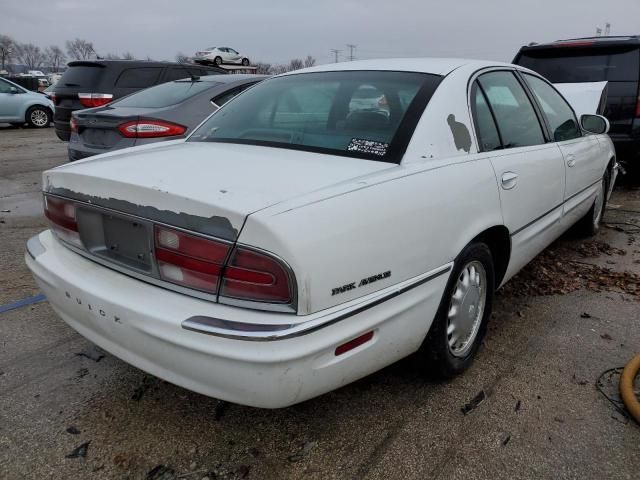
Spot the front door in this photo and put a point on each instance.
(581, 152)
(10, 103)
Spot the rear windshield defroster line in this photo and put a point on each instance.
(361, 114)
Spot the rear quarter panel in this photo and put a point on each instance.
(406, 220)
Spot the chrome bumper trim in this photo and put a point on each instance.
(269, 332)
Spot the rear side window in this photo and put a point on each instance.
(562, 120)
(226, 96)
(138, 77)
(488, 137)
(564, 65)
(514, 113)
(81, 76)
(165, 94)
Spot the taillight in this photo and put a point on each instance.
(91, 100)
(62, 218)
(188, 260)
(255, 276)
(150, 129)
(74, 125)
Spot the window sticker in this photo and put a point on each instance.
(367, 146)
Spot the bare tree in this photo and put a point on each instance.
(182, 58)
(295, 64)
(7, 49)
(30, 55)
(128, 56)
(55, 57)
(309, 61)
(80, 49)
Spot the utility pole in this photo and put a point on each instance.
(598, 31)
(351, 47)
(607, 29)
(335, 51)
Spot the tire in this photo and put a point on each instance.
(441, 354)
(217, 61)
(245, 62)
(38, 117)
(589, 225)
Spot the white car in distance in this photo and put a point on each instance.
(299, 240)
(219, 56)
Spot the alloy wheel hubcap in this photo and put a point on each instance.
(39, 118)
(466, 308)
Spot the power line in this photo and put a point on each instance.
(335, 51)
(351, 47)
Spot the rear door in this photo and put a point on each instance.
(529, 170)
(582, 153)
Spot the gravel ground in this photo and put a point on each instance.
(69, 410)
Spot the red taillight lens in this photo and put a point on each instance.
(74, 125)
(91, 100)
(188, 260)
(255, 276)
(62, 218)
(150, 129)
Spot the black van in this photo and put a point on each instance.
(612, 59)
(93, 83)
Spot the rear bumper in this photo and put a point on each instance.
(144, 325)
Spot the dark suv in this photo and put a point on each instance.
(612, 59)
(94, 83)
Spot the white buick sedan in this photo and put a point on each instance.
(302, 238)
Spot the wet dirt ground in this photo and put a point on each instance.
(70, 410)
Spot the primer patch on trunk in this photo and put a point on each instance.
(219, 227)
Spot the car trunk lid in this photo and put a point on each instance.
(208, 188)
(98, 128)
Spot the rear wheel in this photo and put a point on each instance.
(245, 62)
(217, 61)
(590, 223)
(38, 117)
(461, 322)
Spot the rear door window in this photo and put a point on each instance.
(562, 121)
(564, 65)
(517, 120)
(226, 96)
(488, 137)
(138, 77)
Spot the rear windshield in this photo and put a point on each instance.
(165, 94)
(564, 65)
(81, 76)
(363, 114)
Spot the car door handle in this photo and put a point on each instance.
(509, 180)
(571, 160)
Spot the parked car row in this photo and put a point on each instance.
(317, 227)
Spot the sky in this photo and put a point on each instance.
(274, 31)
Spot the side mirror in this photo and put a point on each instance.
(594, 123)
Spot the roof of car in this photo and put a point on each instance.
(236, 77)
(587, 42)
(140, 63)
(438, 66)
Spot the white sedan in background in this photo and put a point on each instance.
(220, 55)
(297, 242)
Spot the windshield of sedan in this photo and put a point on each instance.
(362, 114)
(165, 94)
